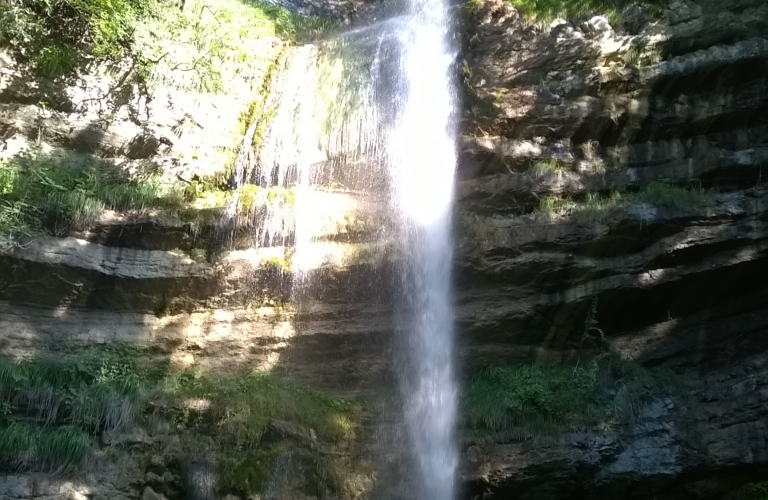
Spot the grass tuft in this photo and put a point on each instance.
(529, 401)
(50, 408)
(244, 405)
(25, 446)
(669, 195)
(596, 206)
(548, 167)
(38, 191)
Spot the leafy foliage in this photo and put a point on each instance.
(199, 46)
(52, 32)
(210, 42)
(38, 191)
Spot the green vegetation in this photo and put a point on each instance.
(242, 406)
(541, 401)
(49, 409)
(284, 264)
(670, 195)
(547, 10)
(38, 191)
(211, 42)
(750, 491)
(548, 167)
(596, 206)
(199, 46)
(640, 56)
(526, 401)
(25, 446)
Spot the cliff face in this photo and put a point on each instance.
(679, 100)
(618, 168)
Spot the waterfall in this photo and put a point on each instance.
(371, 112)
(422, 163)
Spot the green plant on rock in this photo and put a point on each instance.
(538, 401)
(243, 406)
(25, 446)
(548, 10)
(54, 60)
(91, 391)
(526, 401)
(283, 264)
(38, 190)
(639, 57)
(50, 408)
(477, 105)
(596, 206)
(666, 194)
(548, 167)
(554, 205)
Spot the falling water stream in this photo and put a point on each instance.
(372, 111)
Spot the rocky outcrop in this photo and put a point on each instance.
(700, 446)
(679, 99)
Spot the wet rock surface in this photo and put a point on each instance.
(676, 287)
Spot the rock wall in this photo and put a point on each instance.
(677, 99)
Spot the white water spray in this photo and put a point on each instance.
(423, 160)
(374, 109)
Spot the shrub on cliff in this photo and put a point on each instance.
(204, 41)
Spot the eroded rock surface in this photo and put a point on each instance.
(676, 286)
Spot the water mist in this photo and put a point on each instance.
(373, 110)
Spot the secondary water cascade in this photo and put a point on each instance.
(372, 112)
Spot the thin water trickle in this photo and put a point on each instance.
(372, 111)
